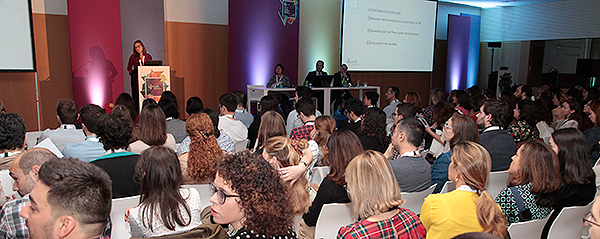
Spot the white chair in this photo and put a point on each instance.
(332, 217)
(7, 183)
(204, 191)
(117, 216)
(449, 186)
(414, 201)
(568, 222)
(319, 173)
(32, 138)
(496, 182)
(528, 229)
(240, 146)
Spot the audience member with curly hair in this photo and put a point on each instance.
(198, 165)
(251, 198)
(151, 130)
(372, 132)
(164, 207)
(114, 132)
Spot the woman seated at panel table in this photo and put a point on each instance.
(279, 80)
(250, 196)
(469, 208)
(378, 209)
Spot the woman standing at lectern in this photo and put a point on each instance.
(138, 58)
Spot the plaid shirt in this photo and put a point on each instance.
(303, 132)
(405, 224)
(11, 224)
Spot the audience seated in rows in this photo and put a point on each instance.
(500, 145)
(523, 127)
(198, 165)
(24, 170)
(593, 135)
(223, 139)
(240, 111)
(324, 127)
(164, 207)
(174, 125)
(72, 199)
(372, 133)
(67, 113)
(12, 138)
(371, 98)
(227, 121)
(378, 210)
(344, 145)
(280, 152)
(115, 133)
(293, 119)
(306, 112)
(460, 128)
(271, 125)
(391, 95)
(354, 110)
(240, 178)
(572, 114)
(414, 99)
(469, 208)
(460, 100)
(412, 171)
(90, 148)
(267, 103)
(151, 130)
(534, 179)
(435, 96)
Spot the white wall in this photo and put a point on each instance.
(197, 11)
(570, 19)
(445, 9)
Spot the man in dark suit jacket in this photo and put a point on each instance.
(496, 140)
(310, 78)
(354, 110)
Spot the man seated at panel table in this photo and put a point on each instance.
(310, 77)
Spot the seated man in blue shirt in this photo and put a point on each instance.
(90, 148)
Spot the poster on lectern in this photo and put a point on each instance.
(152, 81)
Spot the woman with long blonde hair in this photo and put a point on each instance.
(280, 152)
(377, 202)
(470, 207)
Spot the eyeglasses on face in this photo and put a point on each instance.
(221, 196)
(587, 221)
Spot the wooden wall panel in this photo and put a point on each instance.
(198, 54)
(53, 56)
(54, 74)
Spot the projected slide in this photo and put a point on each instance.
(16, 42)
(388, 35)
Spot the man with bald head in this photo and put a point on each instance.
(24, 170)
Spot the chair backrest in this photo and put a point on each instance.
(32, 138)
(528, 229)
(568, 223)
(449, 186)
(204, 191)
(239, 146)
(319, 173)
(496, 182)
(332, 217)
(414, 201)
(597, 172)
(117, 216)
(7, 183)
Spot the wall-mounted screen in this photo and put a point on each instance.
(16, 36)
(388, 35)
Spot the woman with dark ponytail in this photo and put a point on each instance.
(470, 207)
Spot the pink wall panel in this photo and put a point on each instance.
(95, 37)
